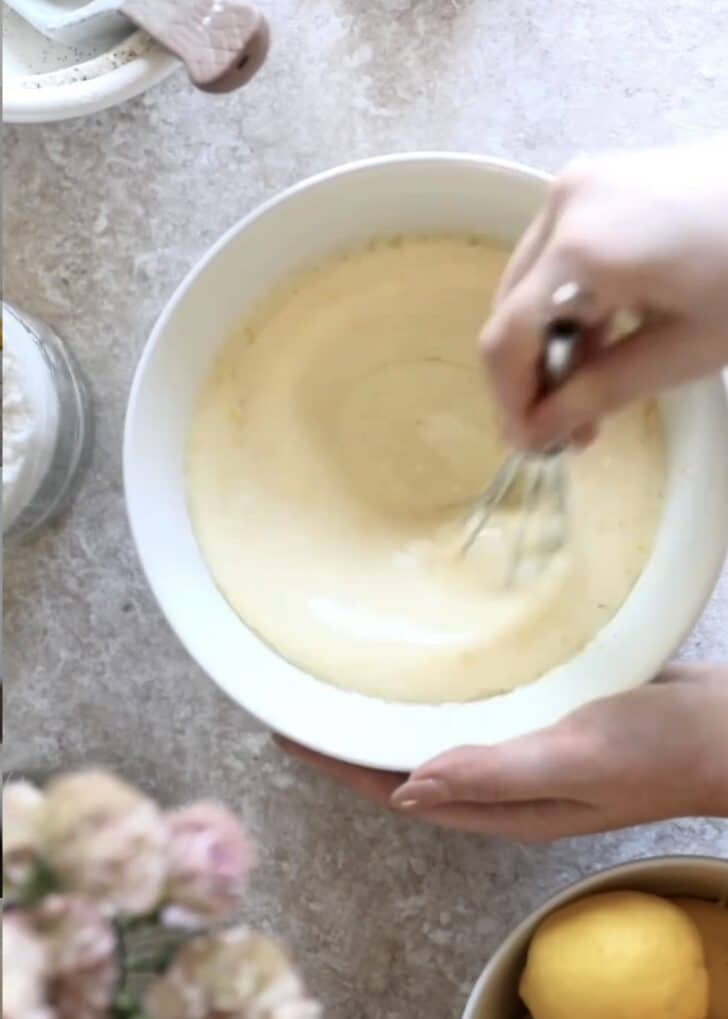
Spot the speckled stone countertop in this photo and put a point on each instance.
(389, 919)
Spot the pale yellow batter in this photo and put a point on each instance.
(334, 450)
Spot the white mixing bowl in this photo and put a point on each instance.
(393, 195)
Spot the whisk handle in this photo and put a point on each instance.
(563, 335)
(562, 343)
(563, 338)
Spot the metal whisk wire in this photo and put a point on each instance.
(539, 475)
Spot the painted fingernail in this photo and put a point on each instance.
(420, 793)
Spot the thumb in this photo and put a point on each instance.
(529, 768)
(643, 364)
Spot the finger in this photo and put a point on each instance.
(512, 341)
(688, 672)
(511, 344)
(527, 822)
(584, 436)
(539, 233)
(532, 767)
(526, 252)
(375, 786)
(653, 359)
(539, 821)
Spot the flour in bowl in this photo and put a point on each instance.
(30, 418)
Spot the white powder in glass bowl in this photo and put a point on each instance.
(30, 418)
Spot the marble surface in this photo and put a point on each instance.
(390, 920)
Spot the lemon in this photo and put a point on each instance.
(711, 920)
(617, 955)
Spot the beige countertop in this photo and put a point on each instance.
(389, 919)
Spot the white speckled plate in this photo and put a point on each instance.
(44, 81)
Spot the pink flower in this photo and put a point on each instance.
(22, 807)
(209, 858)
(234, 974)
(81, 953)
(25, 970)
(106, 840)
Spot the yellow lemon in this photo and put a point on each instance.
(711, 920)
(617, 955)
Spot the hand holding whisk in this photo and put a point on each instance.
(540, 478)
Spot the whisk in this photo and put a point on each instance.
(540, 477)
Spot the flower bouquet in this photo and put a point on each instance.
(115, 909)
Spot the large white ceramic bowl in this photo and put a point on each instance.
(495, 996)
(43, 81)
(391, 195)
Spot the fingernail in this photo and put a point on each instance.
(420, 793)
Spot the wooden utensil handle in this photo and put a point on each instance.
(222, 43)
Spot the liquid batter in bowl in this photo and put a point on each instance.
(332, 457)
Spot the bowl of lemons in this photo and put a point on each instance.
(645, 940)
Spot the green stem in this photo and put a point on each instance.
(127, 1007)
(135, 923)
(147, 964)
(42, 882)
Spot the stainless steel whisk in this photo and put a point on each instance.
(539, 477)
